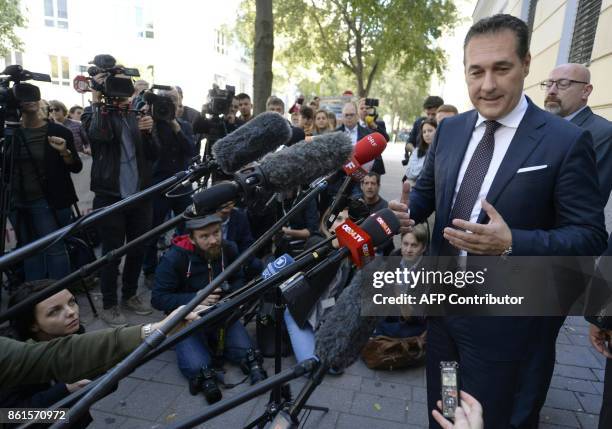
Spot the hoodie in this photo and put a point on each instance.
(182, 272)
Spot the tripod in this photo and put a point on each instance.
(280, 396)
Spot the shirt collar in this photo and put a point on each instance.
(512, 119)
(573, 115)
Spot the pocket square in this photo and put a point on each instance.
(526, 169)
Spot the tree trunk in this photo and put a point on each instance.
(264, 53)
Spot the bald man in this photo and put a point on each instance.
(567, 92)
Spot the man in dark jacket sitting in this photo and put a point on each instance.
(192, 262)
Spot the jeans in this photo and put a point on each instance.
(32, 220)
(397, 328)
(114, 229)
(302, 340)
(161, 207)
(194, 353)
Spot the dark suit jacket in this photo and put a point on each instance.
(556, 210)
(239, 230)
(379, 165)
(601, 130)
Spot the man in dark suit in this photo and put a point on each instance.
(567, 92)
(504, 179)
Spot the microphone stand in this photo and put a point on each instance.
(126, 366)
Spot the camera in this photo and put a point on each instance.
(219, 101)
(371, 102)
(162, 108)
(206, 383)
(113, 86)
(253, 364)
(10, 97)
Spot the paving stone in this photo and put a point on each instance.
(332, 398)
(111, 402)
(344, 381)
(576, 322)
(599, 386)
(563, 338)
(349, 421)
(379, 407)
(577, 340)
(360, 368)
(573, 384)
(563, 399)
(601, 358)
(132, 423)
(384, 388)
(576, 355)
(590, 403)
(417, 414)
(599, 374)
(558, 417)
(149, 369)
(103, 420)
(170, 374)
(167, 356)
(419, 394)
(149, 400)
(572, 371)
(588, 421)
(318, 420)
(412, 376)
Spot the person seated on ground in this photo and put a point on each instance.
(192, 262)
(302, 335)
(235, 227)
(413, 247)
(54, 317)
(299, 228)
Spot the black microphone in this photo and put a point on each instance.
(248, 143)
(345, 331)
(280, 171)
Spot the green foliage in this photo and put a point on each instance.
(10, 18)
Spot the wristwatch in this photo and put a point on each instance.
(506, 252)
(147, 330)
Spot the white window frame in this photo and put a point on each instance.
(54, 20)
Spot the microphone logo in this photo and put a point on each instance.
(384, 225)
(350, 231)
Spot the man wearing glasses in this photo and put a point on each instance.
(567, 92)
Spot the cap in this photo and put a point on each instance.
(201, 222)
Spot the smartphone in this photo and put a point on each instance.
(449, 375)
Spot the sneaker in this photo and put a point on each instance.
(113, 317)
(149, 280)
(137, 306)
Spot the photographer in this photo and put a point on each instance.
(192, 262)
(174, 137)
(368, 117)
(42, 190)
(123, 153)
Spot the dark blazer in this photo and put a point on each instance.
(239, 230)
(379, 165)
(601, 130)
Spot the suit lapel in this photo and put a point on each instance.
(581, 117)
(458, 148)
(527, 137)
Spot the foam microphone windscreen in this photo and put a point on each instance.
(209, 200)
(305, 161)
(369, 147)
(262, 134)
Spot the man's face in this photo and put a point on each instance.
(349, 116)
(494, 73)
(235, 106)
(411, 248)
(245, 106)
(276, 108)
(431, 112)
(177, 100)
(76, 115)
(566, 101)
(363, 110)
(442, 115)
(369, 187)
(208, 240)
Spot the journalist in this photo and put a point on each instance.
(123, 153)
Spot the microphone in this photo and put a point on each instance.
(279, 171)
(278, 264)
(301, 293)
(366, 150)
(264, 133)
(345, 332)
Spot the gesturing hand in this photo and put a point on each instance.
(402, 210)
(57, 143)
(467, 416)
(492, 238)
(600, 339)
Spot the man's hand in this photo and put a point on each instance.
(490, 239)
(467, 416)
(59, 144)
(188, 319)
(600, 338)
(96, 96)
(73, 387)
(402, 210)
(145, 123)
(176, 127)
(213, 298)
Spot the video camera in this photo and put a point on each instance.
(162, 108)
(219, 101)
(11, 96)
(371, 105)
(113, 86)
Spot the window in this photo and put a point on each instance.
(220, 42)
(531, 14)
(60, 70)
(585, 28)
(144, 23)
(13, 58)
(56, 13)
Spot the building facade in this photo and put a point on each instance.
(182, 43)
(578, 31)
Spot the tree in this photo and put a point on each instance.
(263, 54)
(364, 36)
(10, 18)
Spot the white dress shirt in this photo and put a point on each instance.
(503, 137)
(352, 133)
(572, 115)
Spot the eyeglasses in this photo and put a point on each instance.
(349, 115)
(562, 84)
(54, 109)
